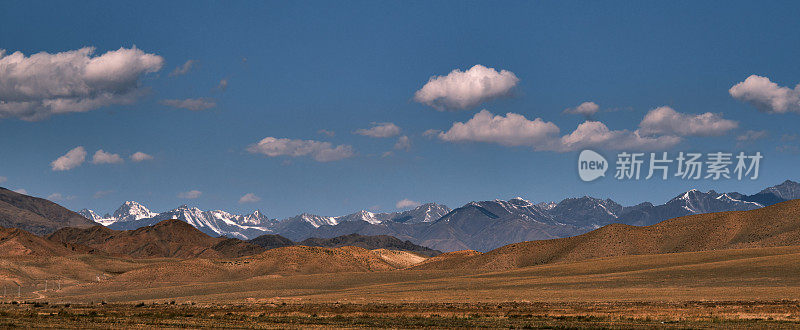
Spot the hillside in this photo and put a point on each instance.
(168, 238)
(36, 215)
(370, 243)
(775, 225)
(270, 241)
(16, 243)
(293, 260)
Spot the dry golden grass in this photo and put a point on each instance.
(725, 275)
(775, 225)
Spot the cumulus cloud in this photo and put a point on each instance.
(249, 198)
(509, 130)
(431, 133)
(102, 157)
(380, 130)
(406, 203)
(751, 135)
(183, 69)
(70, 160)
(466, 89)
(766, 95)
(197, 104)
(516, 130)
(586, 108)
(666, 121)
(59, 197)
(140, 157)
(319, 151)
(403, 143)
(594, 134)
(191, 194)
(40, 85)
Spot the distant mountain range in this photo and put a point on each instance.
(771, 226)
(480, 226)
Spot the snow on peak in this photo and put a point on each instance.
(519, 201)
(89, 214)
(132, 211)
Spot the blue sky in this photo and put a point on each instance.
(293, 69)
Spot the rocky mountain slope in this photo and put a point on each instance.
(36, 215)
(168, 238)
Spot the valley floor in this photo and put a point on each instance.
(726, 288)
(727, 315)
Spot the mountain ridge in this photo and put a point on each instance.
(36, 215)
(478, 225)
(771, 226)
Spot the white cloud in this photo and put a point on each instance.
(406, 203)
(102, 157)
(594, 134)
(249, 198)
(102, 193)
(197, 104)
(3, 179)
(431, 133)
(40, 85)
(59, 197)
(140, 157)
(319, 151)
(380, 130)
(191, 194)
(516, 130)
(21, 191)
(666, 121)
(70, 160)
(511, 130)
(585, 108)
(403, 143)
(466, 89)
(183, 69)
(766, 95)
(327, 132)
(751, 135)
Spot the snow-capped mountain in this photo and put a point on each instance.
(480, 225)
(133, 215)
(132, 211)
(91, 215)
(585, 211)
(220, 223)
(128, 211)
(786, 190)
(428, 212)
(360, 216)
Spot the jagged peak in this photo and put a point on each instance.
(519, 201)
